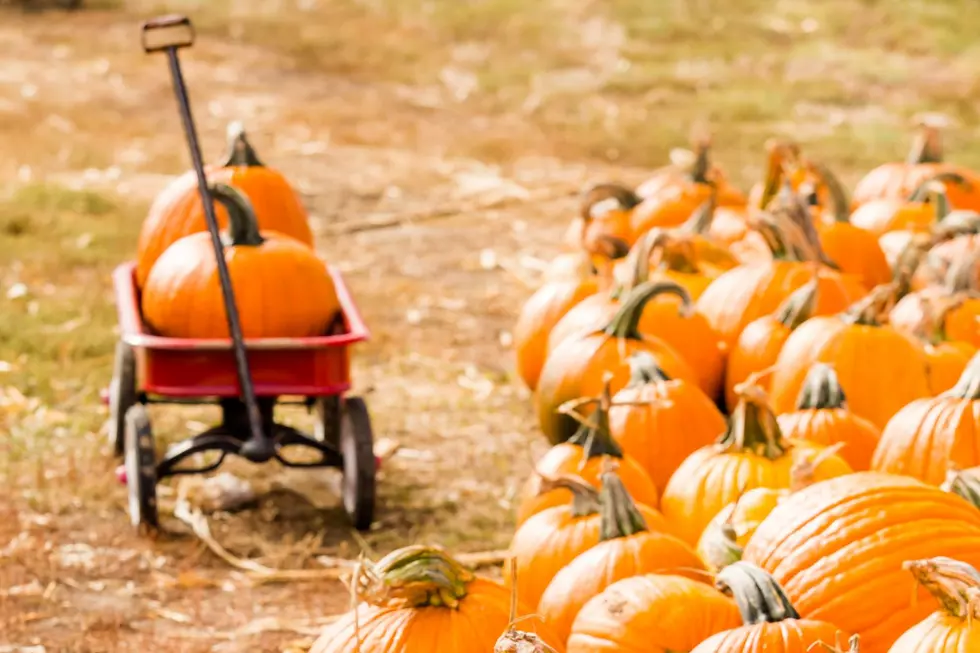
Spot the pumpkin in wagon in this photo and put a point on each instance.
(281, 288)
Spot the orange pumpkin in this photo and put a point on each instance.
(178, 212)
(577, 366)
(880, 369)
(698, 176)
(605, 213)
(953, 627)
(627, 548)
(772, 624)
(751, 453)
(837, 548)
(655, 613)
(919, 213)
(932, 435)
(822, 417)
(660, 421)
(433, 604)
(281, 288)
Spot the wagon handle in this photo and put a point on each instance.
(169, 34)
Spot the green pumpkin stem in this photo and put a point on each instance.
(968, 385)
(619, 516)
(752, 426)
(821, 390)
(415, 576)
(951, 582)
(626, 321)
(759, 597)
(240, 151)
(964, 484)
(243, 226)
(799, 306)
(585, 498)
(644, 370)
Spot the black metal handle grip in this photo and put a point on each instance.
(166, 33)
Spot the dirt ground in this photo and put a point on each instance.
(437, 190)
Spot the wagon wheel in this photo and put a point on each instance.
(141, 469)
(326, 427)
(357, 449)
(122, 395)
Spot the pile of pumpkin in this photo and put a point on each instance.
(765, 418)
(280, 286)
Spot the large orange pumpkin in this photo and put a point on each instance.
(577, 366)
(655, 613)
(178, 212)
(281, 288)
(837, 548)
(627, 548)
(772, 624)
(660, 421)
(929, 436)
(420, 600)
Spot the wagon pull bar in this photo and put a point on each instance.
(165, 32)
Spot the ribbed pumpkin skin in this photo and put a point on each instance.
(929, 437)
(281, 288)
(660, 436)
(483, 615)
(178, 212)
(837, 548)
(596, 569)
(828, 427)
(788, 636)
(879, 368)
(652, 614)
(940, 632)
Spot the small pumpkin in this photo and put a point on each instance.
(605, 213)
(823, 417)
(751, 453)
(281, 288)
(880, 369)
(694, 174)
(918, 213)
(177, 211)
(584, 454)
(654, 613)
(432, 602)
(772, 624)
(626, 548)
(660, 421)
(576, 367)
(953, 628)
(837, 548)
(931, 435)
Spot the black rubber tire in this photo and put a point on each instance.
(122, 395)
(360, 470)
(326, 426)
(141, 469)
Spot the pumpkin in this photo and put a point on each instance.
(693, 174)
(281, 288)
(823, 417)
(759, 344)
(542, 311)
(584, 454)
(178, 212)
(605, 213)
(772, 624)
(418, 600)
(880, 369)
(931, 435)
(654, 613)
(838, 546)
(953, 627)
(923, 209)
(699, 237)
(550, 539)
(626, 548)
(575, 368)
(660, 421)
(750, 453)
(925, 160)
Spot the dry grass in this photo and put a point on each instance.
(374, 108)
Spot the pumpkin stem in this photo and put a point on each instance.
(721, 547)
(243, 227)
(821, 390)
(585, 498)
(618, 514)
(803, 472)
(779, 155)
(933, 190)
(798, 219)
(752, 426)
(799, 306)
(700, 221)
(839, 204)
(517, 641)
(964, 484)
(759, 597)
(927, 146)
(962, 275)
(968, 385)
(240, 151)
(603, 197)
(853, 645)
(873, 309)
(593, 432)
(414, 576)
(949, 581)
(626, 321)
(645, 370)
(702, 160)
